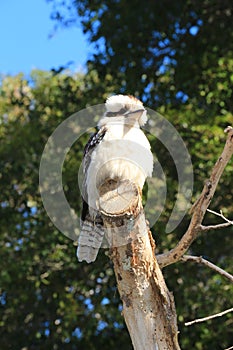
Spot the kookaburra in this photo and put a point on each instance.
(119, 150)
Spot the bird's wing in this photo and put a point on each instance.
(93, 142)
(92, 231)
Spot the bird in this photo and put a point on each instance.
(119, 149)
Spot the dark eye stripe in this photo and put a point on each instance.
(138, 110)
(115, 114)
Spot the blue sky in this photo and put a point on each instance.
(25, 26)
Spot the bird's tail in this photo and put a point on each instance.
(90, 240)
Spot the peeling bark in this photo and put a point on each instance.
(148, 306)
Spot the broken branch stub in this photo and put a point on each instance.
(120, 208)
(148, 306)
(118, 197)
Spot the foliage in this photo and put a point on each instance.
(164, 51)
(177, 57)
(47, 298)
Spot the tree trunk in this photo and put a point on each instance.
(148, 306)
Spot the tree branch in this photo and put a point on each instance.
(199, 208)
(208, 318)
(214, 227)
(200, 260)
(221, 216)
(219, 226)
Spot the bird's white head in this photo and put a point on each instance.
(128, 107)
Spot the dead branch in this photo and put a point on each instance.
(200, 260)
(215, 227)
(218, 226)
(208, 317)
(221, 216)
(148, 306)
(199, 208)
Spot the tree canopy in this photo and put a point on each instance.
(165, 51)
(175, 56)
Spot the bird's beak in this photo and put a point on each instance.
(135, 114)
(140, 115)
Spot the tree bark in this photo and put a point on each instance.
(148, 306)
(199, 208)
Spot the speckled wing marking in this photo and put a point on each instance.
(94, 140)
(92, 231)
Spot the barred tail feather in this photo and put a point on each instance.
(90, 240)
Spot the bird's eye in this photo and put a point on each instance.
(123, 110)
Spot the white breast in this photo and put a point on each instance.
(123, 153)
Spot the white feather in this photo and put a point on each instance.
(123, 153)
(117, 102)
